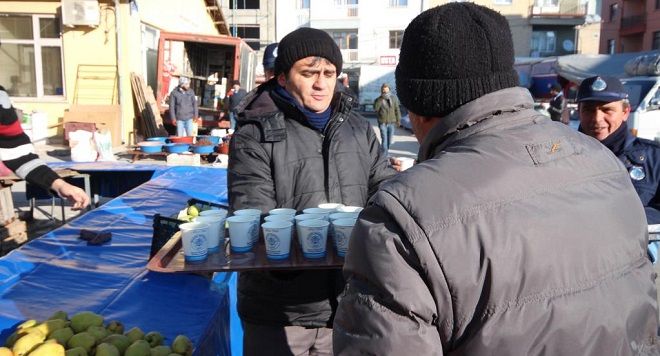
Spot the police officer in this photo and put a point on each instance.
(604, 109)
(270, 54)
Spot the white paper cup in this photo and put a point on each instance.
(193, 238)
(343, 229)
(350, 209)
(248, 212)
(213, 212)
(241, 232)
(289, 218)
(406, 162)
(282, 211)
(335, 216)
(330, 206)
(216, 230)
(277, 238)
(325, 212)
(256, 216)
(302, 217)
(313, 235)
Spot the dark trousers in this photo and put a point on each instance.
(286, 341)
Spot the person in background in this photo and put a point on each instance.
(17, 153)
(512, 235)
(389, 115)
(270, 54)
(604, 110)
(234, 98)
(183, 108)
(557, 106)
(299, 144)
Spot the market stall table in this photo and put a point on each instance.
(61, 272)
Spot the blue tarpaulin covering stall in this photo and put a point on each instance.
(61, 272)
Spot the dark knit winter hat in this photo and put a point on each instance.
(306, 42)
(451, 55)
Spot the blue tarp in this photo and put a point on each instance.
(60, 272)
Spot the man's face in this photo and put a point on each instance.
(311, 81)
(236, 87)
(385, 90)
(600, 119)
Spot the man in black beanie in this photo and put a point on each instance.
(299, 144)
(513, 235)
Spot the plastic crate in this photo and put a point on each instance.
(166, 227)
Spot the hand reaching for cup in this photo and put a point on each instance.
(401, 163)
(396, 163)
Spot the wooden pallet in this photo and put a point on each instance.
(151, 123)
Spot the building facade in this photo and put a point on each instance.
(630, 26)
(50, 63)
(543, 28)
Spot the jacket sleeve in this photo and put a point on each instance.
(377, 104)
(172, 105)
(249, 175)
(386, 308)
(380, 165)
(397, 110)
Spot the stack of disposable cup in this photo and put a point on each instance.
(216, 221)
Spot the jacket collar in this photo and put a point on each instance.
(483, 108)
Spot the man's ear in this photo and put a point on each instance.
(281, 79)
(626, 112)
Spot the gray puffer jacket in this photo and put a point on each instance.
(515, 235)
(277, 160)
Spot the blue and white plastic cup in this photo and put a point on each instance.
(343, 229)
(350, 209)
(277, 238)
(313, 236)
(256, 217)
(193, 238)
(335, 216)
(323, 211)
(216, 230)
(241, 232)
(282, 211)
(302, 217)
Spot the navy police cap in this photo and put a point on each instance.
(270, 54)
(601, 88)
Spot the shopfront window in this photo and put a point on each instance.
(31, 55)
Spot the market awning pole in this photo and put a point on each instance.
(120, 79)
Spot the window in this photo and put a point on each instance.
(244, 4)
(303, 4)
(656, 40)
(251, 35)
(543, 42)
(657, 4)
(345, 39)
(502, 2)
(398, 3)
(611, 46)
(544, 3)
(614, 10)
(31, 55)
(395, 39)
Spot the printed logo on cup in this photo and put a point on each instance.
(341, 239)
(273, 241)
(199, 244)
(254, 230)
(315, 238)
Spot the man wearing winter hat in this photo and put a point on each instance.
(299, 144)
(513, 235)
(604, 109)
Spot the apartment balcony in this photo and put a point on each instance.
(632, 25)
(566, 13)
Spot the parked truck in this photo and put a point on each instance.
(211, 62)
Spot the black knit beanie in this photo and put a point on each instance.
(306, 42)
(451, 55)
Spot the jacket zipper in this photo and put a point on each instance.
(326, 137)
